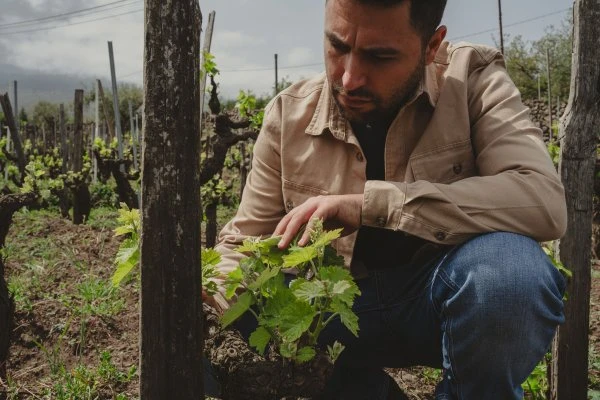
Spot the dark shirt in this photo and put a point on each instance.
(377, 247)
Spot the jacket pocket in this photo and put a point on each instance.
(445, 165)
(295, 194)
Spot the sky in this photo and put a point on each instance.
(59, 38)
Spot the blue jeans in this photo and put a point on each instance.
(486, 313)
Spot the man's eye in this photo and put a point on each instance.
(382, 57)
(338, 47)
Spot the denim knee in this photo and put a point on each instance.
(499, 299)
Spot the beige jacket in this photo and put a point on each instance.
(462, 158)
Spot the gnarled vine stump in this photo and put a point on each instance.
(245, 375)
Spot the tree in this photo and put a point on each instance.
(579, 130)
(127, 92)
(23, 117)
(523, 67)
(45, 113)
(526, 61)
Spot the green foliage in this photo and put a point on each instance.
(536, 384)
(554, 151)
(37, 179)
(3, 158)
(23, 117)
(85, 383)
(128, 255)
(209, 66)
(209, 260)
(45, 113)
(103, 195)
(526, 61)
(216, 191)
(104, 150)
(292, 317)
(247, 106)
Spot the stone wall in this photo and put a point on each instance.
(539, 114)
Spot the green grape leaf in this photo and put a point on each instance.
(288, 349)
(274, 306)
(327, 237)
(127, 258)
(210, 257)
(347, 316)
(264, 276)
(296, 319)
(237, 309)
(259, 339)
(310, 290)
(305, 354)
(233, 282)
(298, 256)
(335, 351)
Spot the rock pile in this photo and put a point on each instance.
(539, 114)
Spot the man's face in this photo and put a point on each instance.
(373, 57)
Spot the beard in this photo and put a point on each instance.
(384, 110)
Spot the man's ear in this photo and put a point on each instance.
(434, 43)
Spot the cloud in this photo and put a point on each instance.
(234, 40)
(300, 56)
(81, 49)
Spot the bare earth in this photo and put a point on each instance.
(59, 324)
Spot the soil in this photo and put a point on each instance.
(52, 259)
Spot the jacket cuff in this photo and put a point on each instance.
(383, 204)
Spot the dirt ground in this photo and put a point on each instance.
(53, 266)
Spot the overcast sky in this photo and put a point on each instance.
(247, 35)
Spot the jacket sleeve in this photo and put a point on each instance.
(261, 207)
(516, 188)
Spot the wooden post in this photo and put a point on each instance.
(171, 340)
(16, 109)
(501, 27)
(206, 49)
(116, 104)
(9, 116)
(579, 128)
(109, 123)
(64, 151)
(276, 77)
(551, 136)
(81, 195)
(132, 134)
(96, 132)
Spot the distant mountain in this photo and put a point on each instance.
(34, 86)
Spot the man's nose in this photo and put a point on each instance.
(354, 75)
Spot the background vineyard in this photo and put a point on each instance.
(74, 335)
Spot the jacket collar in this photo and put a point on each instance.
(328, 118)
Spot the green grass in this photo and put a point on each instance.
(103, 218)
(85, 383)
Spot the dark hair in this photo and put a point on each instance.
(425, 15)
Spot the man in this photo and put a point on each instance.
(423, 152)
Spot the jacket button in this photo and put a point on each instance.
(359, 157)
(441, 236)
(289, 205)
(380, 221)
(457, 168)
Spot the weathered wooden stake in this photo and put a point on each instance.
(551, 134)
(171, 317)
(115, 95)
(14, 131)
(579, 130)
(81, 194)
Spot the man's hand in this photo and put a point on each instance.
(336, 211)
